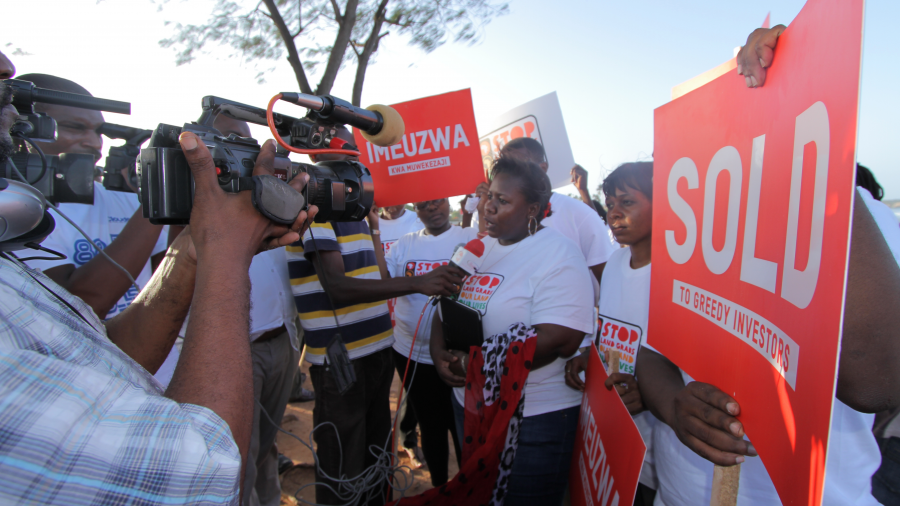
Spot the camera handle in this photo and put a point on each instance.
(273, 198)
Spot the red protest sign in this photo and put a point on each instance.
(609, 451)
(753, 192)
(438, 156)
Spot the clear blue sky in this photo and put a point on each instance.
(611, 64)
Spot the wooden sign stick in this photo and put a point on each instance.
(725, 485)
(612, 360)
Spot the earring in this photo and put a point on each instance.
(532, 219)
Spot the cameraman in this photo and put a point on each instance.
(114, 222)
(355, 277)
(83, 421)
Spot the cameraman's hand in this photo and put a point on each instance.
(756, 56)
(704, 420)
(227, 223)
(445, 280)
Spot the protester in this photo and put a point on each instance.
(394, 223)
(572, 219)
(418, 254)
(700, 427)
(84, 421)
(350, 261)
(533, 279)
(115, 221)
(625, 298)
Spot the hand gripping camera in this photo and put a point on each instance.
(342, 189)
(68, 177)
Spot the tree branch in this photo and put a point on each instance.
(293, 55)
(341, 41)
(368, 50)
(337, 10)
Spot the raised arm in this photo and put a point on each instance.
(99, 283)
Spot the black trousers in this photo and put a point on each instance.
(362, 417)
(429, 398)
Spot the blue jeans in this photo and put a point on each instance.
(886, 481)
(459, 417)
(540, 472)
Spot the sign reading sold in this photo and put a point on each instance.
(438, 155)
(753, 193)
(609, 451)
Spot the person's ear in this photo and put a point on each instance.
(544, 166)
(533, 210)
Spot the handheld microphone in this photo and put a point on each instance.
(379, 124)
(468, 258)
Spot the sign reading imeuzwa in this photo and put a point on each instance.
(540, 119)
(753, 193)
(609, 450)
(437, 157)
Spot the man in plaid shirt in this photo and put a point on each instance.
(82, 420)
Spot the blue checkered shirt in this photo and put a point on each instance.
(82, 423)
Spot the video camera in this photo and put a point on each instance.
(65, 178)
(342, 189)
(123, 157)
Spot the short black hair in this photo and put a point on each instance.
(600, 210)
(636, 175)
(54, 83)
(531, 146)
(533, 182)
(866, 179)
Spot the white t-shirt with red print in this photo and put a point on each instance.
(622, 325)
(393, 230)
(418, 254)
(540, 279)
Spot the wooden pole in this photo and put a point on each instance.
(725, 485)
(612, 360)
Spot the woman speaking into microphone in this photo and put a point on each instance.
(533, 294)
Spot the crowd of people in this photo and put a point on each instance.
(171, 389)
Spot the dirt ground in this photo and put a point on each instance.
(298, 420)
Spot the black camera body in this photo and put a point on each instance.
(69, 177)
(123, 157)
(343, 190)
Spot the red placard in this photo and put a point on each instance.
(439, 155)
(609, 451)
(753, 192)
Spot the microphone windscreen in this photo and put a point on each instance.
(476, 247)
(391, 130)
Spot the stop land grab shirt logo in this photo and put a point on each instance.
(615, 334)
(422, 267)
(479, 289)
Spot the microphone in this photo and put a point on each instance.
(468, 258)
(379, 124)
(25, 94)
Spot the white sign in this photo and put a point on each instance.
(542, 120)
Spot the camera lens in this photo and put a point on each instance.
(342, 190)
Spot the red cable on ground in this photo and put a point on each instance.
(270, 119)
(402, 383)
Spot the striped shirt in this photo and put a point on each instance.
(81, 423)
(365, 328)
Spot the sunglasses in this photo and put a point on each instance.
(421, 206)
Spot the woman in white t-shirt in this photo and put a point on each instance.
(417, 254)
(625, 301)
(534, 276)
